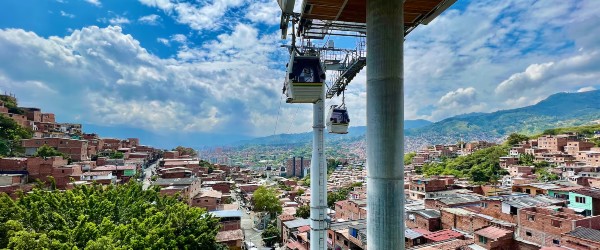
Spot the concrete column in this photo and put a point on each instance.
(318, 180)
(385, 122)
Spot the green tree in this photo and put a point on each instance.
(526, 159)
(11, 134)
(408, 158)
(514, 139)
(303, 211)
(117, 155)
(300, 192)
(339, 195)
(104, 217)
(271, 235)
(265, 200)
(47, 151)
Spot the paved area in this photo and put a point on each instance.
(149, 171)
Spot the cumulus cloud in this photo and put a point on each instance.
(152, 19)
(118, 20)
(265, 11)
(199, 15)
(115, 81)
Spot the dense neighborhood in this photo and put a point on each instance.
(527, 193)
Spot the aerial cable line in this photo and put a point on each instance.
(277, 119)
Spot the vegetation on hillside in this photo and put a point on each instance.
(340, 194)
(408, 158)
(480, 167)
(303, 212)
(11, 134)
(97, 217)
(186, 151)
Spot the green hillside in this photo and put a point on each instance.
(559, 110)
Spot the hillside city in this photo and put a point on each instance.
(528, 192)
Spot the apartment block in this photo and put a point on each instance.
(77, 150)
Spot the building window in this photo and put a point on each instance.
(530, 217)
(345, 243)
(484, 205)
(556, 241)
(528, 233)
(556, 223)
(528, 191)
(580, 199)
(483, 240)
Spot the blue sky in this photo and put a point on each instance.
(178, 69)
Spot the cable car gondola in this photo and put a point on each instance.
(338, 119)
(305, 79)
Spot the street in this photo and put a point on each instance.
(250, 234)
(148, 174)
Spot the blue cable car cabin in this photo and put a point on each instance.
(305, 79)
(339, 120)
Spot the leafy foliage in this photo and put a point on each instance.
(96, 217)
(265, 200)
(303, 212)
(514, 139)
(339, 195)
(11, 134)
(117, 155)
(186, 151)
(271, 234)
(47, 151)
(408, 158)
(480, 167)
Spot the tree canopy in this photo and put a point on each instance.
(185, 151)
(97, 217)
(408, 158)
(481, 166)
(11, 134)
(514, 139)
(303, 212)
(117, 155)
(47, 151)
(265, 200)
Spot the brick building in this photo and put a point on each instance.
(351, 209)
(581, 238)
(418, 188)
(495, 238)
(428, 219)
(13, 164)
(552, 143)
(208, 199)
(77, 150)
(544, 226)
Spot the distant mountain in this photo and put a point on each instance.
(354, 133)
(558, 110)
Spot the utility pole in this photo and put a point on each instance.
(318, 179)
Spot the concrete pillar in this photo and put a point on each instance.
(318, 180)
(385, 122)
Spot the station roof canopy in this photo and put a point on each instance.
(351, 15)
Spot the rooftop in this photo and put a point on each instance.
(591, 192)
(411, 234)
(175, 181)
(227, 213)
(586, 233)
(443, 235)
(493, 232)
(230, 235)
(297, 223)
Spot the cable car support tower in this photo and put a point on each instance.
(381, 22)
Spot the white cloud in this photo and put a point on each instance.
(65, 14)
(163, 41)
(152, 19)
(180, 38)
(95, 2)
(115, 81)
(586, 89)
(119, 20)
(265, 11)
(198, 16)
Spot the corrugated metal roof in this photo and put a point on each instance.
(227, 213)
(586, 233)
(411, 234)
(297, 223)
